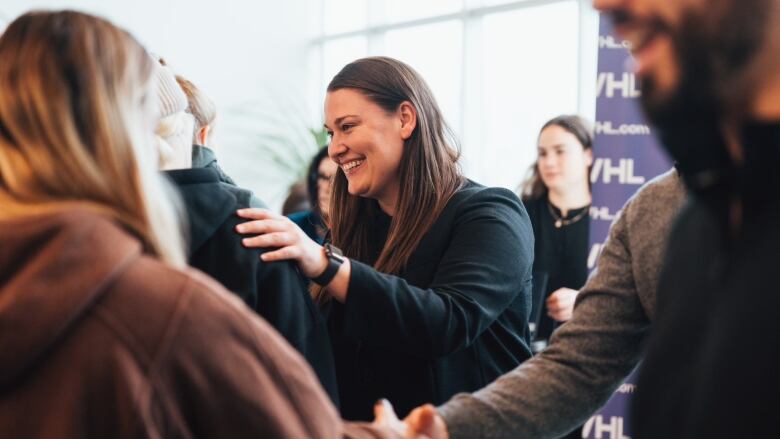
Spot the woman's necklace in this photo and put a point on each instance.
(560, 221)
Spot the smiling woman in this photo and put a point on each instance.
(432, 291)
(557, 196)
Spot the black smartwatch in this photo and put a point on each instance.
(335, 259)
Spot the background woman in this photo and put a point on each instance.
(318, 185)
(433, 294)
(557, 197)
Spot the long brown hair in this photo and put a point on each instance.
(532, 186)
(73, 113)
(428, 170)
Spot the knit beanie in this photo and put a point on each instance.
(175, 126)
(170, 97)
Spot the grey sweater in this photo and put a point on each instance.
(589, 356)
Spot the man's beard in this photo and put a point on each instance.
(713, 57)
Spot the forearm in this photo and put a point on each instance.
(546, 396)
(388, 310)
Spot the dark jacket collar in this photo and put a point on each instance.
(202, 157)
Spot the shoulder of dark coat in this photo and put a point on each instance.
(475, 195)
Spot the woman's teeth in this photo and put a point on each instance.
(351, 165)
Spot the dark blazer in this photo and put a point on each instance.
(453, 321)
(274, 290)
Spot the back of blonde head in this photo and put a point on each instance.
(200, 106)
(76, 127)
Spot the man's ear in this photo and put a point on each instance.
(408, 116)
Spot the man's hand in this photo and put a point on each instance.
(422, 423)
(560, 304)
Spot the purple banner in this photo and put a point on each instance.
(627, 155)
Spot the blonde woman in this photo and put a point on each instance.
(103, 331)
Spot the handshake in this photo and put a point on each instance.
(422, 423)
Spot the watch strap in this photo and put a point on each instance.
(334, 262)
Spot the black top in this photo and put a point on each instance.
(711, 367)
(274, 290)
(560, 254)
(453, 321)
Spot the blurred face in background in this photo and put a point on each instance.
(325, 172)
(562, 161)
(690, 54)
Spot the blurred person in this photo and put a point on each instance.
(274, 290)
(432, 293)
(297, 199)
(711, 88)
(557, 197)
(318, 185)
(104, 332)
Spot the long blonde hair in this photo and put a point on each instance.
(74, 129)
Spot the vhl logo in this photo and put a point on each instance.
(597, 426)
(609, 83)
(604, 170)
(602, 213)
(609, 42)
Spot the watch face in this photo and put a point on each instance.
(333, 251)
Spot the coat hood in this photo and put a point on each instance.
(53, 270)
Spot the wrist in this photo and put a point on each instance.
(317, 265)
(333, 259)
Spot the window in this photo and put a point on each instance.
(337, 53)
(498, 68)
(415, 45)
(529, 77)
(344, 15)
(398, 11)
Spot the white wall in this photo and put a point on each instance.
(499, 69)
(258, 62)
(250, 57)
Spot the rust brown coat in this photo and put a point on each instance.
(99, 340)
